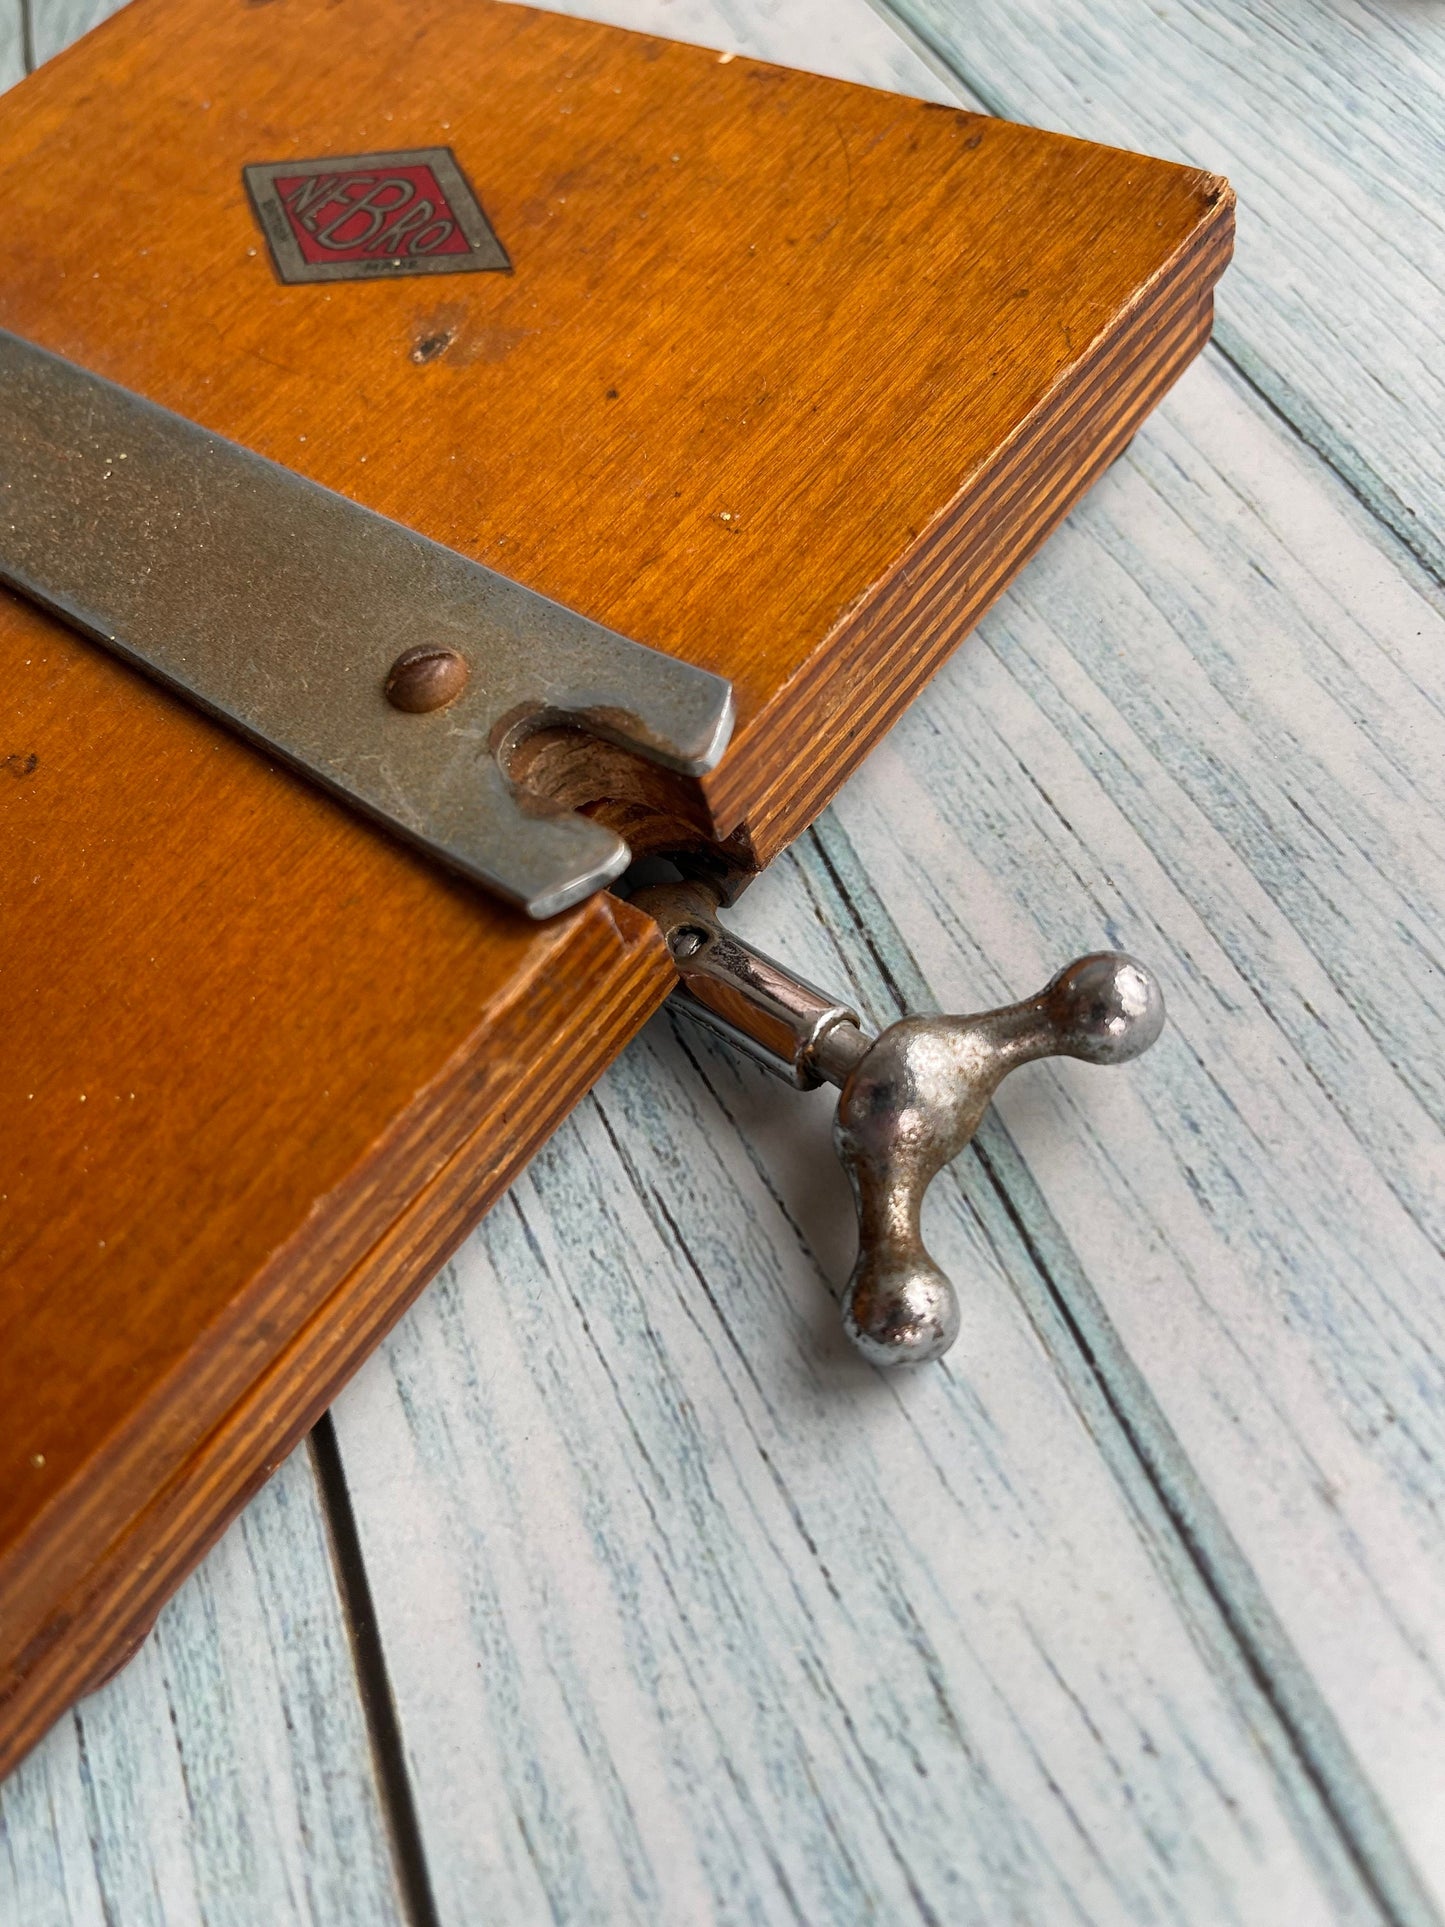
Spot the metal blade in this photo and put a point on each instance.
(280, 607)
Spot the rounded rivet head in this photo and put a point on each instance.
(426, 678)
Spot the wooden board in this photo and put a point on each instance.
(770, 388)
(763, 477)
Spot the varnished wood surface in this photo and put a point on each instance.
(220, 1103)
(269, 1067)
(768, 336)
(1180, 1627)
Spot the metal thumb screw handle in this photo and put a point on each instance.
(915, 1099)
(910, 1099)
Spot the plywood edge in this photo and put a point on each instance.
(845, 698)
(80, 1588)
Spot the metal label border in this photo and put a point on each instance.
(486, 254)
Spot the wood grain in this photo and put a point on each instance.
(223, 1777)
(1228, 757)
(757, 419)
(269, 1066)
(693, 1617)
(83, 1583)
(1325, 118)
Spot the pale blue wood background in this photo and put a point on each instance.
(669, 1610)
(225, 1776)
(12, 42)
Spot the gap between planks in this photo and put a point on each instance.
(1082, 1342)
(393, 1777)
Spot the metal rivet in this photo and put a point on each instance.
(426, 678)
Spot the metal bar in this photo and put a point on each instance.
(281, 608)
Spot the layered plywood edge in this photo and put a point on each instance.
(916, 619)
(152, 1536)
(790, 378)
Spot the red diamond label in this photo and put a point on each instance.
(364, 216)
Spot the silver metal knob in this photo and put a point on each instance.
(911, 1099)
(914, 1101)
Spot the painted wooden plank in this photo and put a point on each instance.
(12, 42)
(1327, 120)
(692, 1617)
(816, 34)
(224, 1776)
(57, 22)
(841, 38)
(1207, 725)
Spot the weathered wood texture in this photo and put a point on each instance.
(1326, 118)
(270, 1066)
(59, 22)
(12, 42)
(1230, 754)
(692, 1617)
(224, 1777)
(835, 37)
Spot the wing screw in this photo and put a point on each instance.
(910, 1099)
